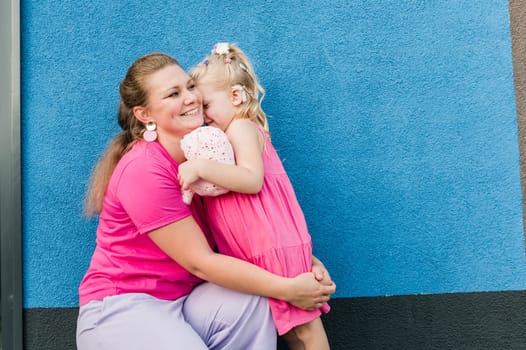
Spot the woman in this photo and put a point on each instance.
(143, 289)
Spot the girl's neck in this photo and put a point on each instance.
(234, 118)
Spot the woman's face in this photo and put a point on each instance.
(173, 102)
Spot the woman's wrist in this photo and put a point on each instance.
(284, 289)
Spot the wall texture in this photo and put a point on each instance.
(518, 25)
(397, 122)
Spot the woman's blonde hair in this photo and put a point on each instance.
(133, 92)
(228, 66)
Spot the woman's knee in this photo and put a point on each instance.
(222, 316)
(226, 305)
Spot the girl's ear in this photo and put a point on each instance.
(238, 95)
(140, 114)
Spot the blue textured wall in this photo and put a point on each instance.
(395, 119)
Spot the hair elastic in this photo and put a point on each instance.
(221, 49)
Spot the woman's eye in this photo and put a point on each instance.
(191, 86)
(174, 94)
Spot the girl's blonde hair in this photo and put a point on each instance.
(133, 92)
(228, 66)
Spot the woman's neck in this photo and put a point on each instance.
(173, 147)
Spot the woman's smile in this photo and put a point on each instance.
(192, 112)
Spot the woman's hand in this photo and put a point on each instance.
(308, 293)
(320, 272)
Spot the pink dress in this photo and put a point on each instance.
(267, 229)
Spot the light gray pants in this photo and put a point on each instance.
(211, 317)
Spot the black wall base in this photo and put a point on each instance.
(495, 321)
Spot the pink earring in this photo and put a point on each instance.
(150, 134)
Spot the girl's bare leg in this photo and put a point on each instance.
(308, 336)
(292, 340)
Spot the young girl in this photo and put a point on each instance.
(260, 219)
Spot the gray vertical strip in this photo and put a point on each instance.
(10, 174)
(518, 42)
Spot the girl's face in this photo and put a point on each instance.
(173, 102)
(217, 105)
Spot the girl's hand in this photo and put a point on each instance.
(188, 173)
(309, 294)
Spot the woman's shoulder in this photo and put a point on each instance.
(144, 166)
(145, 155)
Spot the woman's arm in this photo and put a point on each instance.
(246, 176)
(184, 242)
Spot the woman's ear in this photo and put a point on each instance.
(238, 95)
(140, 113)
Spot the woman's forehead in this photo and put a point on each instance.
(168, 78)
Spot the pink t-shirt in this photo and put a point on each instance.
(143, 195)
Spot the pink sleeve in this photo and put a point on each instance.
(151, 195)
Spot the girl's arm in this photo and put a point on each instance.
(246, 176)
(184, 242)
